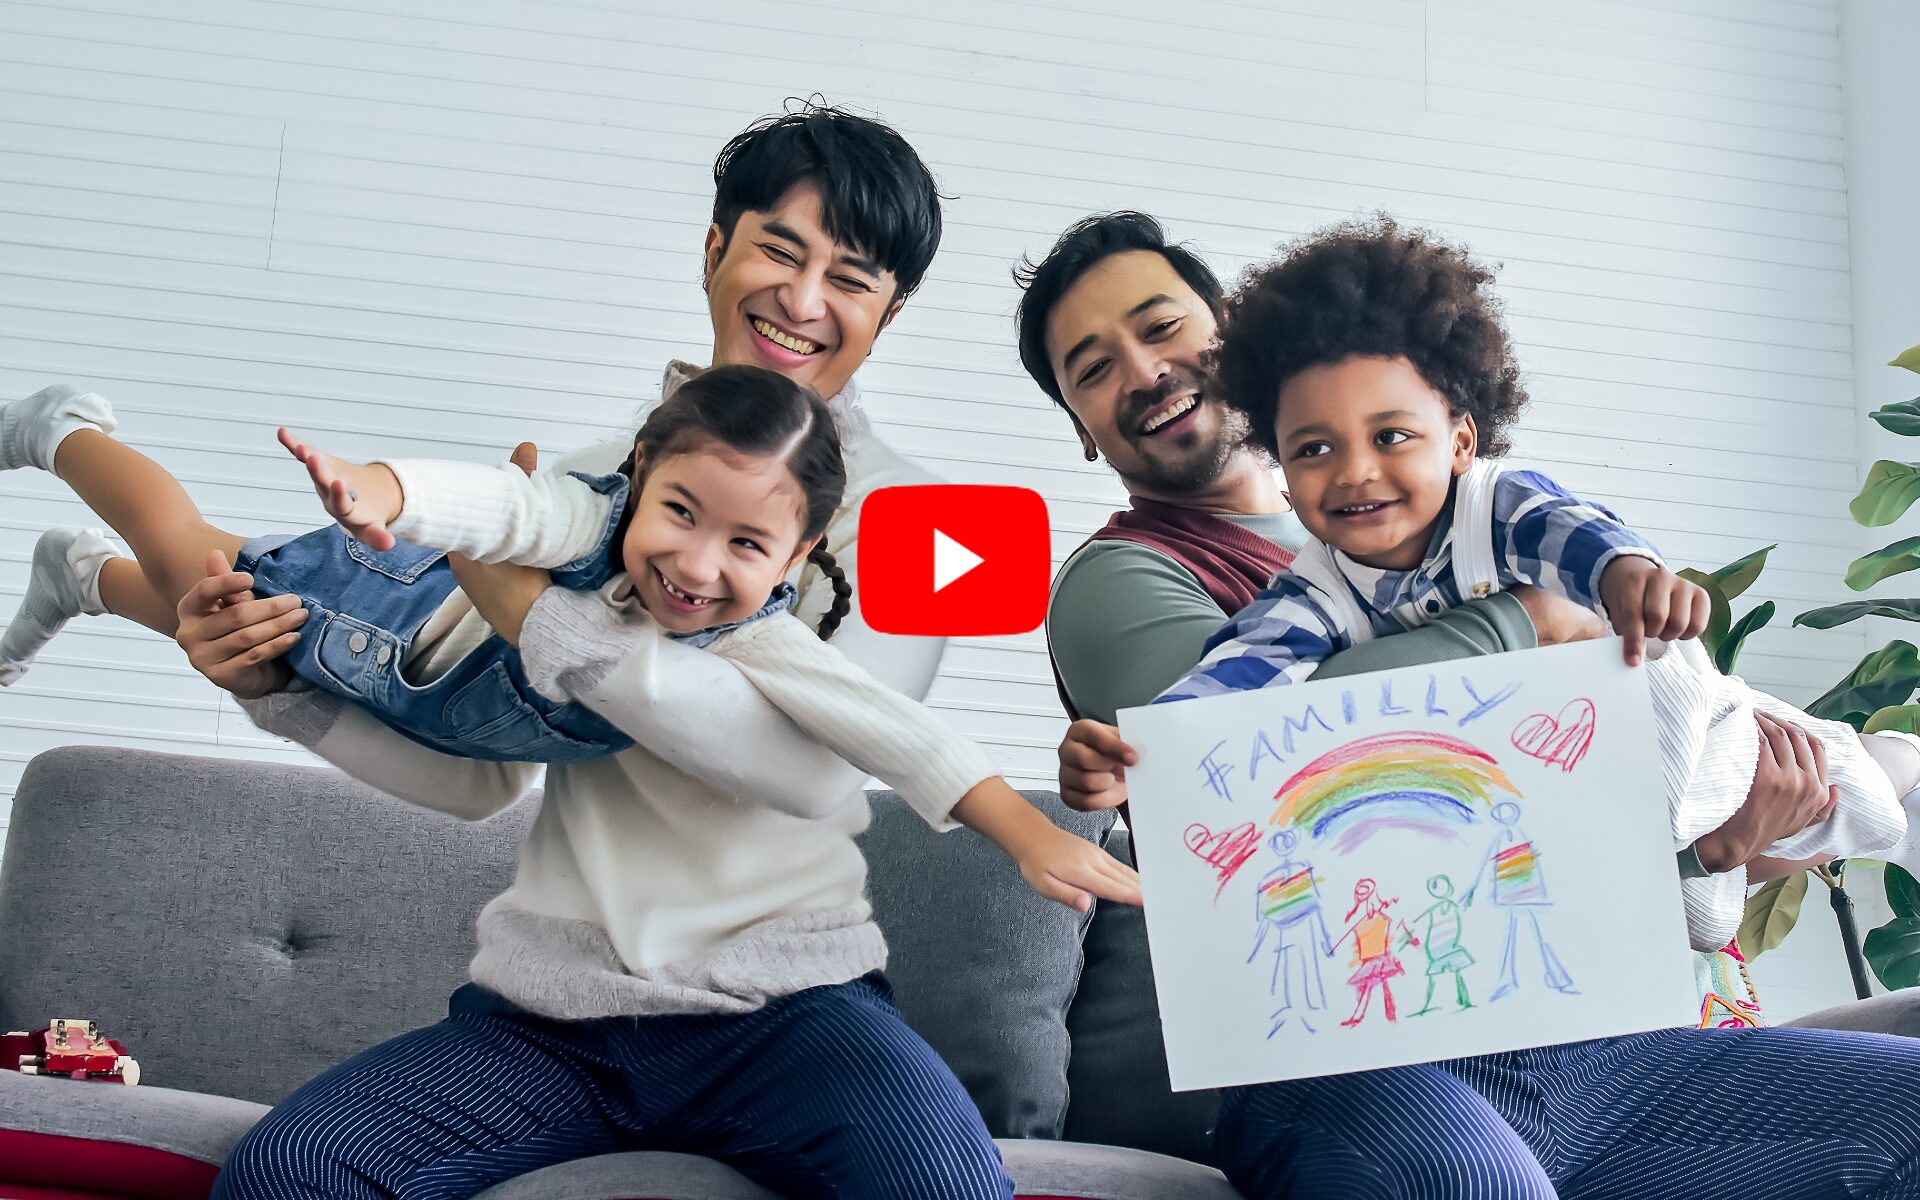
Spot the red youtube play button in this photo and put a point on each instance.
(954, 560)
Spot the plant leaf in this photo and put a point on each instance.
(1908, 358)
(1728, 652)
(1902, 418)
(1903, 891)
(1719, 613)
(1853, 610)
(1890, 490)
(1902, 717)
(1887, 676)
(1893, 951)
(1737, 576)
(1896, 559)
(1771, 914)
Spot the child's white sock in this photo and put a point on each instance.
(1907, 853)
(63, 583)
(32, 429)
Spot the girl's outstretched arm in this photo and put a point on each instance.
(1054, 863)
(502, 513)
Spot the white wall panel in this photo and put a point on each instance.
(426, 228)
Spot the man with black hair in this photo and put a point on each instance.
(1114, 325)
(776, 1047)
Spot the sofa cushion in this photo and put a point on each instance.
(641, 1175)
(983, 967)
(1118, 1077)
(1895, 1012)
(1074, 1171)
(240, 926)
(158, 1141)
(1041, 1170)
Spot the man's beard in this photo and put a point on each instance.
(1198, 467)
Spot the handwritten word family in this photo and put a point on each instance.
(1463, 705)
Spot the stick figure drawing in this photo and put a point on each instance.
(1287, 907)
(1520, 890)
(1439, 923)
(1373, 959)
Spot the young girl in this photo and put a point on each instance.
(730, 485)
(676, 965)
(1373, 365)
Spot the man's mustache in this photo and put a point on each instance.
(1140, 403)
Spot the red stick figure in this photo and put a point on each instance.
(1373, 959)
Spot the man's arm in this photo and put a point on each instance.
(352, 740)
(1495, 625)
(1126, 622)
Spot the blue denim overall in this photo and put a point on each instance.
(368, 605)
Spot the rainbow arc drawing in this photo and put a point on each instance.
(1427, 783)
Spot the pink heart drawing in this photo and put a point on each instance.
(1557, 741)
(1224, 852)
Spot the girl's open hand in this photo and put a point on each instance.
(363, 498)
(1062, 867)
(1647, 601)
(1093, 766)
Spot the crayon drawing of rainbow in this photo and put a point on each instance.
(1426, 782)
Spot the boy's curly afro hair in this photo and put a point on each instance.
(1370, 288)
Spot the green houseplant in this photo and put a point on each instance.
(1877, 694)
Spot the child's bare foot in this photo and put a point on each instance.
(33, 428)
(364, 498)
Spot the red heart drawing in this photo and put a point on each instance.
(1560, 741)
(1225, 852)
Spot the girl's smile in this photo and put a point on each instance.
(713, 533)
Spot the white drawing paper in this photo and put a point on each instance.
(1408, 866)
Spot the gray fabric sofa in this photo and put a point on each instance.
(242, 927)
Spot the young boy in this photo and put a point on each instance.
(1373, 365)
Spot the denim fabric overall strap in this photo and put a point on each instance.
(1476, 567)
(1315, 566)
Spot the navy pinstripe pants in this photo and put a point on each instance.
(823, 1093)
(1679, 1114)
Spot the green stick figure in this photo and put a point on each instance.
(1439, 923)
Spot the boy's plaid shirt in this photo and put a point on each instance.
(1542, 535)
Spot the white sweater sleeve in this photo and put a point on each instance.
(864, 721)
(671, 698)
(353, 741)
(498, 513)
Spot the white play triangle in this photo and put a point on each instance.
(951, 560)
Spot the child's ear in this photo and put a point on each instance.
(1466, 440)
(800, 555)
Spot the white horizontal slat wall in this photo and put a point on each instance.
(418, 227)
